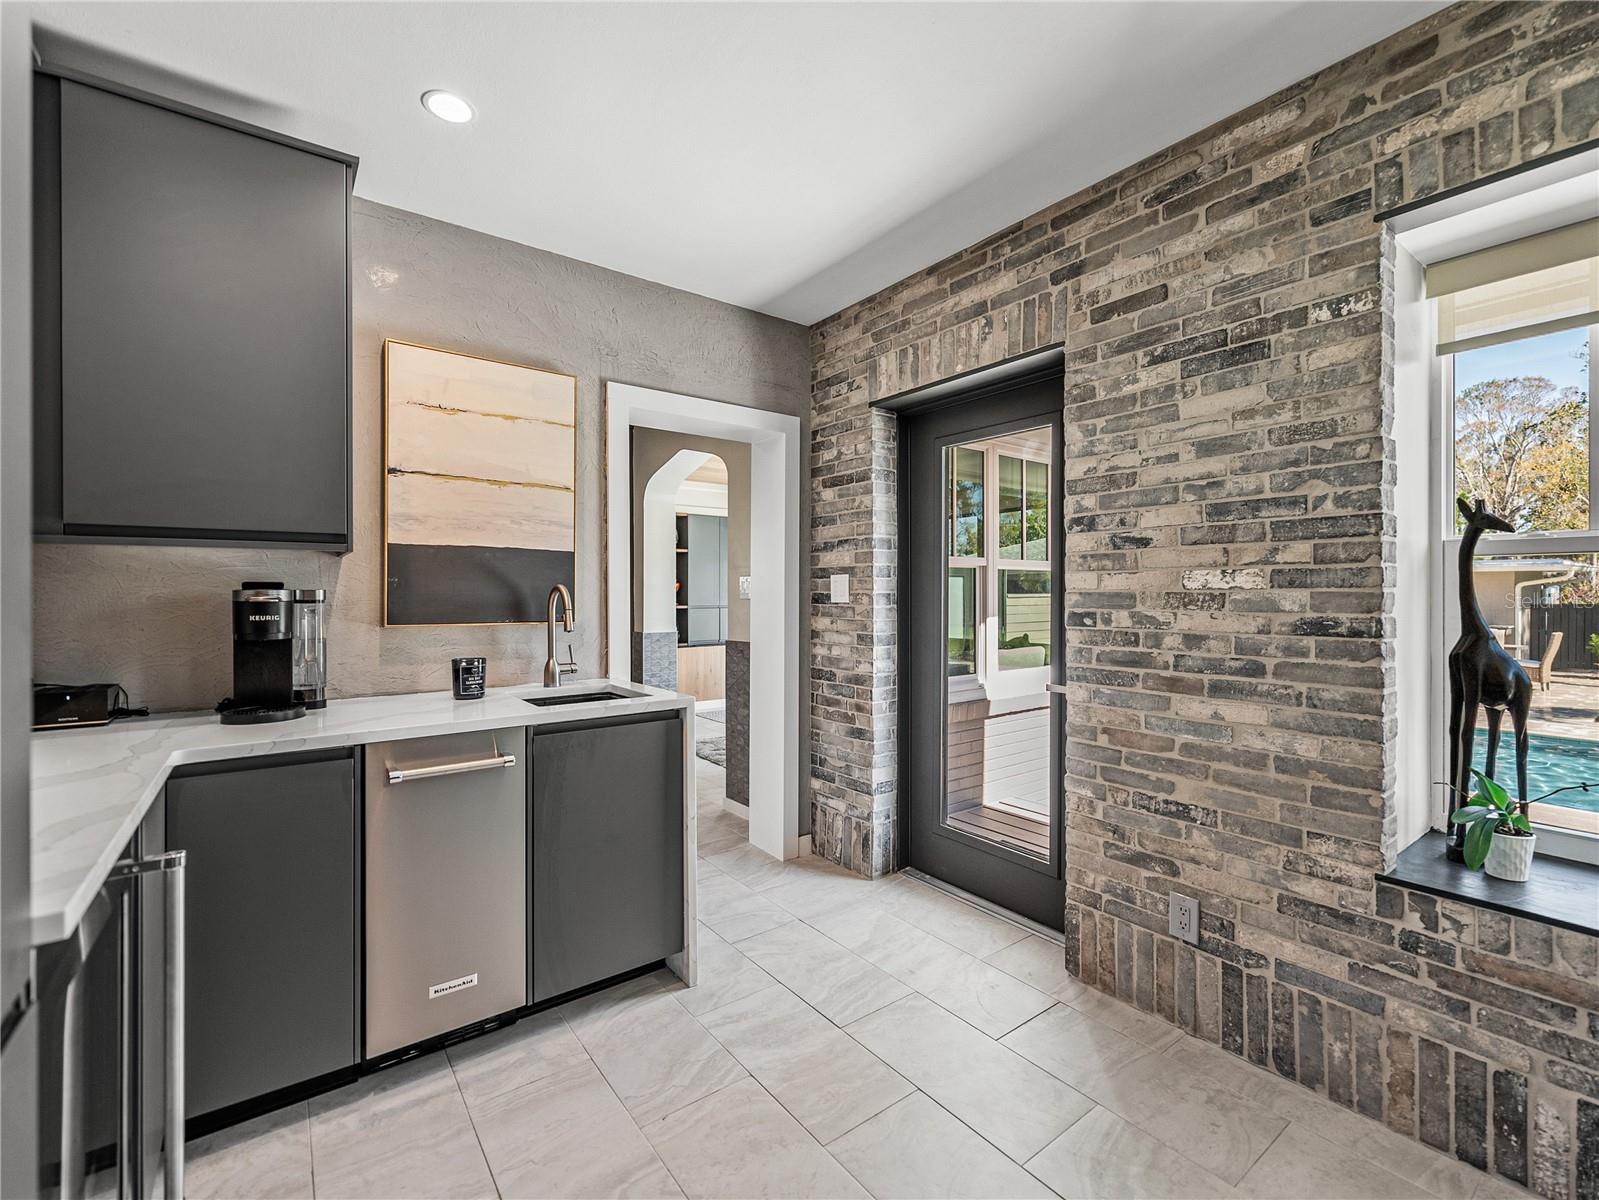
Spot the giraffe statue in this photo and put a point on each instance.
(1481, 672)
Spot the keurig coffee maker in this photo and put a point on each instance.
(263, 656)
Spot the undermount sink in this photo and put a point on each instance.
(555, 698)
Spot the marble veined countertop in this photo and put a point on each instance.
(92, 787)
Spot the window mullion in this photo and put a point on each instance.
(1593, 430)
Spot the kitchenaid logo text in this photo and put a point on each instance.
(454, 985)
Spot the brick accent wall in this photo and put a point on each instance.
(1230, 511)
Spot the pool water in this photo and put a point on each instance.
(1551, 762)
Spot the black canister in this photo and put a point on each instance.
(468, 677)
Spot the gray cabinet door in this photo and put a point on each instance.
(721, 561)
(607, 831)
(705, 574)
(204, 328)
(706, 590)
(272, 933)
(704, 626)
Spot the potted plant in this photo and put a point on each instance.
(1593, 648)
(1499, 837)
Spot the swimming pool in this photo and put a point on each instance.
(1551, 762)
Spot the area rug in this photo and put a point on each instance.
(712, 750)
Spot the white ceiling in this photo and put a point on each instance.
(788, 157)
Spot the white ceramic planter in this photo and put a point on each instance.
(1510, 857)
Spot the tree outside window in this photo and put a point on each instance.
(1521, 430)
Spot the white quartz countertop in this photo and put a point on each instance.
(92, 787)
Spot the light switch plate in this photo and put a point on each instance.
(840, 585)
(743, 587)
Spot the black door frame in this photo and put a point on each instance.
(992, 873)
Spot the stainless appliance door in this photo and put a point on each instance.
(446, 884)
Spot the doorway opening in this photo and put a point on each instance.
(982, 716)
(690, 622)
(763, 657)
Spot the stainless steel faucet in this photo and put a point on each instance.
(553, 670)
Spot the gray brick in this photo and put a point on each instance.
(1229, 418)
(1510, 1125)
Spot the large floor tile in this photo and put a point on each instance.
(1074, 1047)
(740, 1142)
(1493, 1187)
(734, 910)
(1191, 1113)
(533, 1049)
(813, 885)
(1102, 1157)
(261, 1159)
(1443, 1175)
(1141, 1026)
(713, 842)
(838, 983)
(983, 995)
(1299, 1163)
(653, 1053)
(1039, 963)
(402, 1132)
(961, 924)
(566, 1134)
(752, 867)
(723, 975)
(820, 1074)
(916, 1150)
(1018, 1107)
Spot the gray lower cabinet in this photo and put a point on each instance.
(273, 944)
(606, 826)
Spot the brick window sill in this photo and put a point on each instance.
(1561, 893)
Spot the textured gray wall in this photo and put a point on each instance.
(157, 621)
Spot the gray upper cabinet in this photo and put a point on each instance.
(192, 281)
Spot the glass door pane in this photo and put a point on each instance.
(966, 494)
(1000, 581)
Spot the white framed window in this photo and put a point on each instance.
(999, 578)
(1516, 425)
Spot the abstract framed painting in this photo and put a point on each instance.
(479, 487)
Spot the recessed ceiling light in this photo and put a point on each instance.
(447, 106)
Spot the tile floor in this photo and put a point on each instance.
(847, 1038)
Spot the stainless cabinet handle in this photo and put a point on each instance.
(171, 865)
(405, 774)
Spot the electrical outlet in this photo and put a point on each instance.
(1183, 913)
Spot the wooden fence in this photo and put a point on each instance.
(1576, 621)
